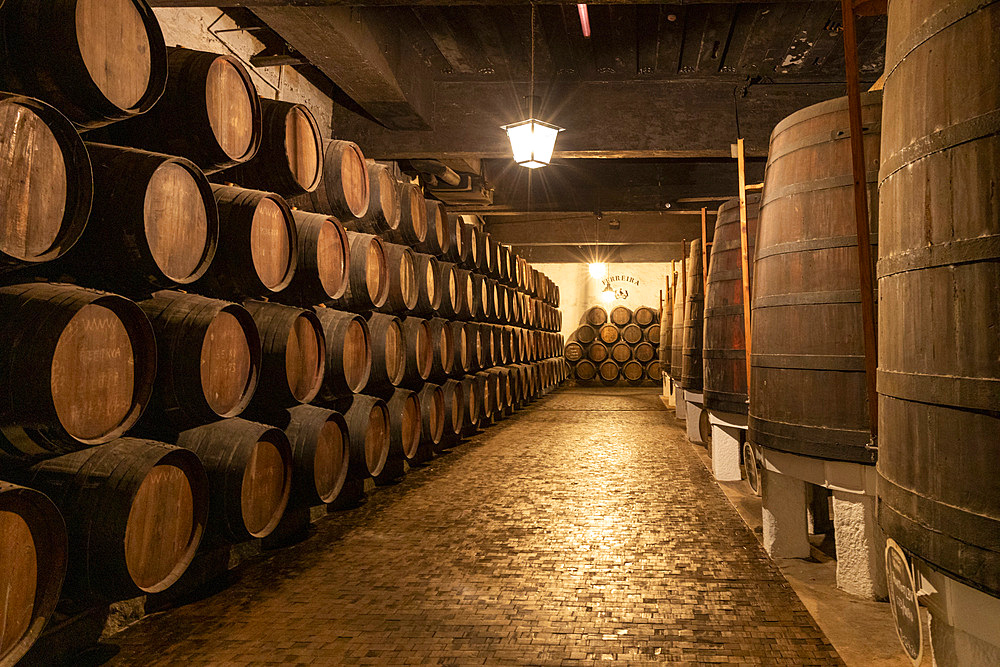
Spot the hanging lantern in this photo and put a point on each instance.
(532, 142)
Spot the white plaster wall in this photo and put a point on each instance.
(208, 29)
(579, 291)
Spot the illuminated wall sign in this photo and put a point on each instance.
(619, 285)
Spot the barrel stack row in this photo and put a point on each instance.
(616, 347)
(188, 360)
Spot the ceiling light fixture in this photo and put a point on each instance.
(532, 141)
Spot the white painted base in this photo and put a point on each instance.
(726, 445)
(668, 391)
(965, 623)
(860, 542)
(784, 515)
(680, 405)
(693, 411)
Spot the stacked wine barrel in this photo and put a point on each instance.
(185, 355)
(616, 347)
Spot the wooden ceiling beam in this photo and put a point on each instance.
(566, 254)
(431, 3)
(633, 229)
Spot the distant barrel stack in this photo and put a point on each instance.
(613, 347)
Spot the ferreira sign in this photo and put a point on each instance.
(619, 285)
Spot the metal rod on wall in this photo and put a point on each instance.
(704, 248)
(861, 214)
(744, 251)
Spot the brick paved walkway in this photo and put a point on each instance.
(583, 529)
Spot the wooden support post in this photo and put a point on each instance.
(704, 249)
(744, 249)
(861, 214)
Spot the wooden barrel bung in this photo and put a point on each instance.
(620, 315)
(46, 186)
(585, 370)
(384, 207)
(368, 281)
(77, 368)
(368, 423)
(349, 357)
(401, 271)
(249, 467)
(98, 61)
(290, 158)
(293, 358)
(323, 260)
(806, 281)
(209, 355)
(596, 316)
(33, 551)
(135, 511)
(724, 355)
(210, 113)
(320, 456)
(938, 280)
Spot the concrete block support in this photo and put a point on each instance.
(965, 622)
(726, 453)
(860, 546)
(697, 419)
(784, 515)
(668, 391)
(680, 410)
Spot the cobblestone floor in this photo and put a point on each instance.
(582, 529)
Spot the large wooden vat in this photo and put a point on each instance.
(725, 356)
(97, 61)
(694, 309)
(135, 512)
(76, 369)
(46, 183)
(806, 282)
(209, 113)
(290, 158)
(939, 288)
(33, 552)
(249, 468)
(677, 329)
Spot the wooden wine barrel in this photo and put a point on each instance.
(486, 347)
(368, 281)
(258, 245)
(383, 207)
(413, 225)
(77, 368)
(443, 347)
(473, 352)
(290, 158)
(432, 414)
(388, 354)
(652, 334)
(632, 334)
(135, 513)
(586, 334)
(472, 245)
(644, 316)
(596, 316)
(457, 251)
(609, 371)
(437, 240)
(368, 424)
(633, 372)
(502, 394)
(609, 334)
(460, 349)
(448, 286)
(486, 392)
(939, 276)
(585, 370)
(473, 401)
(620, 315)
(694, 312)
(46, 184)
(154, 223)
(249, 468)
(429, 293)
(405, 424)
(323, 260)
(97, 62)
(504, 264)
(806, 282)
(465, 295)
(621, 352)
(644, 353)
(677, 335)
(486, 253)
(293, 356)
(349, 357)
(480, 290)
(209, 113)
(320, 453)
(209, 355)
(489, 305)
(419, 352)
(33, 551)
(343, 190)
(454, 411)
(401, 270)
(724, 355)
